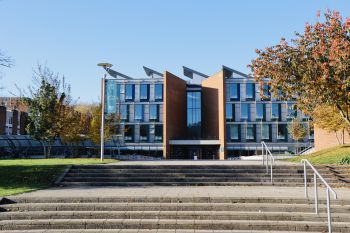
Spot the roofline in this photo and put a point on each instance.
(149, 72)
(230, 71)
(115, 74)
(191, 72)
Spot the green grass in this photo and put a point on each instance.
(25, 175)
(327, 156)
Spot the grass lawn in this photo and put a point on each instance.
(327, 156)
(24, 175)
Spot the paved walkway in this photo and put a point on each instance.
(184, 191)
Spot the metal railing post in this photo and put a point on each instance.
(305, 181)
(271, 171)
(316, 194)
(262, 153)
(329, 212)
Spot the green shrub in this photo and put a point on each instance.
(345, 160)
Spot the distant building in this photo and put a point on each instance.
(208, 117)
(13, 116)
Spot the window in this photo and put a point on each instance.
(260, 112)
(234, 91)
(291, 111)
(144, 133)
(245, 112)
(230, 112)
(158, 135)
(144, 92)
(154, 112)
(129, 133)
(138, 112)
(129, 92)
(311, 132)
(282, 132)
(233, 132)
(158, 90)
(250, 133)
(276, 112)
(266, 92)
(265, 132)
(250, 91)
(194, 118)
(124, 112)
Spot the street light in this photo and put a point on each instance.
(106, 66)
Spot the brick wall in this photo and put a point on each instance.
(324, 139)
(15, 122)
(2, 120)
(23, 121)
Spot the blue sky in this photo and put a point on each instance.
(71, 37)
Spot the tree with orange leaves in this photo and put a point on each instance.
(314, 67)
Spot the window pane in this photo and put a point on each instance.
(159, 92)
(153, 111)
(158, 137)
(144, 92)
(266, 92)
(265, 134)
(250, 91)
(234, 92)
(234, 132)
(250, 132)
(245, 111)
(138, 112)
(129, 92)
(144, 132)
(260, 111)
(129, 133)
(229, 112)
(124, 112)
(282, 132)
(276, 112)
(291, 111)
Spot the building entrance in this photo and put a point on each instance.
(191, 152)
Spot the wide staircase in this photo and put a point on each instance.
(172, 214)
(199, 175)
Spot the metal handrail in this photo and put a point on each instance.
(328, 190)
(267, 154)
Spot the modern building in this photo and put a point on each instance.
(199, 116)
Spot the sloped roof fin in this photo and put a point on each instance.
(116, 74)
(189, 73)
(150, 72)
(228, 72)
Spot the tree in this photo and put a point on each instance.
(327, 118)
(48, 97)
(111, 125)
(298, 131)
(5, 61)
(314, 67)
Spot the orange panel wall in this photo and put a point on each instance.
(174, 115)
(213, 107)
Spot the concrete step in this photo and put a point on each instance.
(144, 184)
(131, 206)
(171, 224)
(149, 231)
(195, 215)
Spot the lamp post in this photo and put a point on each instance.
(106, 66)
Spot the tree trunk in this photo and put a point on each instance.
(336, 135)
(44, 147)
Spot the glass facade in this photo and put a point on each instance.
(154, 112)
(144, 92)
(194, 114)
(158, 91)
(233, 132)
(158, 134)
(266, 92)
(282, 132)
(260, 112)
(129, 133)
(250, 133)
(124, 112)
(276, 112)
(230, 112)
(250, 91)
(234, 91)
(291, 111)
(245, 112)
(144, 133)
(138, 112)
(266, 132)
(129, 92)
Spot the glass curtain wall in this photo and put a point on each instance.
(194, 118)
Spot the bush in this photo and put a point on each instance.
(345, 160)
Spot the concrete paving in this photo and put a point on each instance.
(185, 191)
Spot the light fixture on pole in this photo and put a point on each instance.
(106, 66)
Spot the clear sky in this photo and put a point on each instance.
(71, 37)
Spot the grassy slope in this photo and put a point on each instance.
(327, 156)
(24, 175)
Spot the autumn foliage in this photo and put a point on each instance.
(314, 67)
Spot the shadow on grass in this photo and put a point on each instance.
(19, 179)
